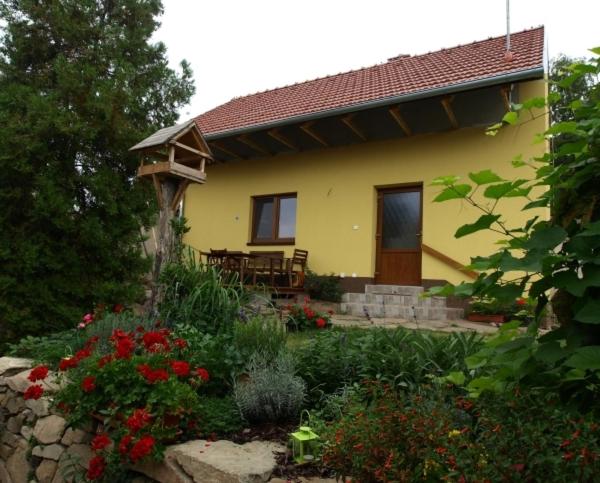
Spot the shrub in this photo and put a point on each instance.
(436, 436)
(332, 359)
(266, 335)
(218, 416)
(302, 317)
(323, 287)
(145, 392)
(272, 392)
(201, 296)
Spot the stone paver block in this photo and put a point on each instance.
(12, 364)
(50, 452)
(45, 471)
(49, 429)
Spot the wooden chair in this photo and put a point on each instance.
(296, 266)
(265, 264)
(216, 257)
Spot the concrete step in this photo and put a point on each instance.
(401, 311)
(394, 290)
(409, 300)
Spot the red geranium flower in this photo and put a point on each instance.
(100, 442)
(155, 341)
(33, 392)
(139, 419)
(38, 373)
(125, 348)
(181, 343)
(96, 468)
(124, 444)
(202, 374)
(118, 308)
(568, 456)
(321, 323)
(88, 384)
(142, 448)
(67, 363)
(181, 368)
(104, 360)
(152, 375)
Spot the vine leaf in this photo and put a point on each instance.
(483, 223)
(587, 357)
(589, 313)
(485, 177)
(457, 191)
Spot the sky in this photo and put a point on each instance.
(238, 47)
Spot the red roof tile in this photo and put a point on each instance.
(398, 76)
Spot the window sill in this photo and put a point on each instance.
(272, 242)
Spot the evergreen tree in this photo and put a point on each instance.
(80, 82)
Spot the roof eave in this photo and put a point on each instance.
(525, 74)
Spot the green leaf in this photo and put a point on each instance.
(517, 161)
(589, 313)
(502, 190)
(456, 378)
(587, 357)
(493, 129)
(458, 191)
(591, 229)
(511, 117)
(595, 50)
(569, 280)
(483, 223)
(562, 127)
(546, 238)
(484, 177)
(534, 102)
(550, 352)
(542, 203)
(444, 180)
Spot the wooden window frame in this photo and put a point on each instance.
(274, 240)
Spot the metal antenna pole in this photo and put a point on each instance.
(508, 25)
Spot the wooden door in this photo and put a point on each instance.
(398, 237)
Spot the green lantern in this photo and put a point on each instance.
(304, 443)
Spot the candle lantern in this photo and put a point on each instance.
(304, 443)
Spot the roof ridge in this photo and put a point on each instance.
(392, 60)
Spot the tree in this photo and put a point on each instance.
(80, 83)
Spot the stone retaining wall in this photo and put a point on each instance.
(36, 444)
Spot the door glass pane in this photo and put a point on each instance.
(401, 220)
(264, 218)
(287, 217)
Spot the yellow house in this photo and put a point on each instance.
(341, 166)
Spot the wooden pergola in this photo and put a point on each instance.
(172, 158)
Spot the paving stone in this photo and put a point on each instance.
(49, 429)
(75, 436)
(45, 471)
(50, 452)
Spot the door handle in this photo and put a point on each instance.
(419, 234)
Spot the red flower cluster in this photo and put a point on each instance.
(88, 384)
(96, 468)
(156, 341)
(138, 420)
(71, 362)
(38, 373)
(100, 442)
(152, 375)
(180, 368)
(202, 374)
(124, 344)
(124, 444)
(181, 343)
(321, 323)
(33, 392)
(142, 448)
(118, 308)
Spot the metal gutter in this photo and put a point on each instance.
(520, 75)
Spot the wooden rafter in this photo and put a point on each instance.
(447, 103)
(397, 115)
(245, 139)
(504, 92)
(191, 150)
(275, 134)
(179, 193)
(201, 142)
(225, 150)
(348, 121)
(171, 154)
(307, 127)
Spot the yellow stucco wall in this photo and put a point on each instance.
(336, 190)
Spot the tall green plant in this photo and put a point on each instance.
(556, 258)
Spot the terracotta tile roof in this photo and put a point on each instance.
(399, 76)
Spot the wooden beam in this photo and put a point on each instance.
(275, 134)
(307, 127)
(397, 115)
(447, 103)
(504, 92)
(158, 189)
(245, 139)
(192, 150)
(179, 193)
(201, 141)
(180, 170)
(449, 261)
(223, 149)
(171, 154)
(347, 120)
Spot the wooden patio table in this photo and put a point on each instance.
(237, 261)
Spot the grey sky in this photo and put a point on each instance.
(237, 47)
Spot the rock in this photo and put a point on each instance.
(165, 472)
(14, 423)
(4, 476)
(18, 467)
(5, 452)
(9, 439)
(49, 429)
(75, 436)
(14, 404)
(51, 452)
(40, 407)
(46, 471)
(224, 461)
(20, 383)
(8, 364)
(27, 432)
(81, 453)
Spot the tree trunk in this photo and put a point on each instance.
(165, 238)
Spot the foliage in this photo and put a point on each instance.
(543, 257)
(302, 317)
(436, 436)
(201, 296)
(519, 309)
(218, 416)
(323, 287)
(80, 83)
(159, 405)
(272, 391)
(333, 359)
(266, 335)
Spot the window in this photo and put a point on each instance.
(274, 219)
